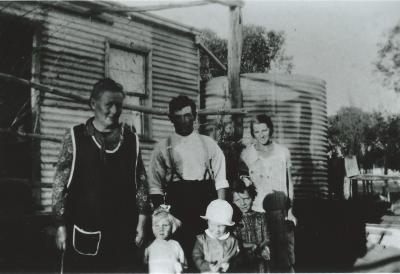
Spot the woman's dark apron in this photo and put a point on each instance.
(101, 210)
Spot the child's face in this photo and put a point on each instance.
(243, 201)
(162, 229)
(216, 229)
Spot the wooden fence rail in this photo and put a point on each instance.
(83, 99)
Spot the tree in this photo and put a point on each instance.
(374, 144)
(392, 143)
(262, 50)
(219, 47)
(346, 129)
(372, 137)
(382, 141)
(388, 64)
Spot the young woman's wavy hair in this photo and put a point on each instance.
(261, 119)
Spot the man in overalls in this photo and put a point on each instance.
(187, 171)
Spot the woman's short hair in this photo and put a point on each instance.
(261, 119)
(240, 187)
(179, 103)
(106, 84)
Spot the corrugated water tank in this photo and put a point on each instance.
(297, 106)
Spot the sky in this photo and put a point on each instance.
(336, 41)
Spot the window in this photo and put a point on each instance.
(130, 66)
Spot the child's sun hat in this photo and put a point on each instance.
(219, 211)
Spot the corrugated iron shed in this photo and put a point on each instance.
(74, 46)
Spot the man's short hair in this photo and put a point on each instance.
(179, 103)
(106, 84)
(262, 119)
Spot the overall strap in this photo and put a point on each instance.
(174, 170)
(208, 160)
(289, 201)
(287, 181)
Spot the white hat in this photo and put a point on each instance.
(219, 211)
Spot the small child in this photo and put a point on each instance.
(164, 255)
(216, 247)
(251, 230)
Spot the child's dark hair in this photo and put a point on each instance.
(240, 187)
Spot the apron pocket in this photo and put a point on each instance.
(86, 242)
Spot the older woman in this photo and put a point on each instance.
(269, 169)
(100, 189)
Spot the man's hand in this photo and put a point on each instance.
(221, 193)
(61, 237)
(156, 200)
(291, 217)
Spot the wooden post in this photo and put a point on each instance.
(35, 107)
(234, 55)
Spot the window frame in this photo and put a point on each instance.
(147, 97)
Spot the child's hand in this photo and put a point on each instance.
(214, 267)
(265, 253)
(224, 267)
(178, 267)
(250, 246)
(246, 180)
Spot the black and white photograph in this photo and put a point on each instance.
(199, 136)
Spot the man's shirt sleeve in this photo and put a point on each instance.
(158, 171)
(219, 168)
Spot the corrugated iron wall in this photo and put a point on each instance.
(71, 55)
(297, 106)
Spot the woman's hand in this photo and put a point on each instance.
(139, 237)
(140, 230)
(61, 237)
